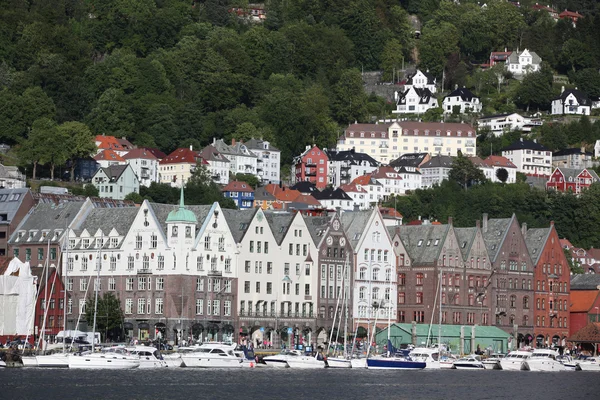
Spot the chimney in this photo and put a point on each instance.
(450, 221)
(478, 224)
(524, 228)
(562, 89)
(551, 223)
(191, 147)
(485, 221)
(233, 142)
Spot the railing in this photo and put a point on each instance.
(270, 314)
(144, 271)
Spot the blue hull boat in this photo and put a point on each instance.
(394, 363)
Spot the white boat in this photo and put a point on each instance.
(430, 356)
(493, 362)
(150, 357)
(358, 362)
(213, 355)
(280, 360)
(338, 362)
(568, 363)
(447, 361)
(57, 360)
(307, 362)
(469, 362)
(513, 361)
(543, 360)
(110, 358)
(589, 364)
(174, 359)
(29, 361)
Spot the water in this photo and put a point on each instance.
(268, 383)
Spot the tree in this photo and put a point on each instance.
(35, 148)
(109, 315)
(502, 174)
(349, 99)
(464, 172)
(250, 179)
(391, 59)
(88, 190)
(201, 189)
(436, 44)
(535, 90)
(574, 265)
(135, 197)
(81, 142)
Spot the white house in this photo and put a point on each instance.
(11, 178)
(374, 288)
(108, 157)
(243, 161)
(522, 63)
(144, 164)
(435, 171)
(358, 194)
(421, 80)
(217, 164)
(487, 170)
(333, 199)
(462, 98)
(499, 162)
(345, 166)
(268, 162)
(530, 157)
(571, 101)
(414, 101)
(116, 181)
(502, 123)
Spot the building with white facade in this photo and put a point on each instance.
(387, 142)
(333, 199)
(177, 168)
(435, 171)
(499, 162)
(520, 63)
(106, 158)
(501, 123)
(268, 167)
(464, 101)
(421, 80)
(116, 181)
(571, 101)
(530, 157)
(144, 164)
(414, 101)
(217, 164)
(358, 194)
(242, 160)
(345, 166)
(11, 178)
(576, 158)
(374, 287)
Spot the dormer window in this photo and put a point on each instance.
(85, 243)
(420, 243)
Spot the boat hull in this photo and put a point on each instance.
(358, 363)
(511, 365)
(101, 361)
(545, 365)
(338, 363)
(587, 366)
(491, 364)
(306, 363)
(53, 361)
(275, 363)
(29, 361)
(212, 362)
(173, 361)
(468, 366)
(382, 363)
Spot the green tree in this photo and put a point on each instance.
(436, 44)
(88, 190)
(574, 265)
(201, 189)
(349, 99)
(502, 174)
(250, 179)
(81, 142)
(464, 172)
(36, 149)
(535, 90)
(160, 193)
(135, 197)
(109, 315)
(392, 58)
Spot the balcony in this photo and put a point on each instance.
(214, 272)
(144, 271)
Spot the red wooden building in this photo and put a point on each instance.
(50, 303)
(571, 179)
(311, 166)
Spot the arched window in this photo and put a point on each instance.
(525, 320)
(419, 297)
(388, 274)
(363, 273)
(537, 304)
(362, 293)
(513, 301)
(375, 294)
(375, 274)
(512, 319)
(525, 302)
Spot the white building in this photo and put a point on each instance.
(435, 171)
(374, 288)
(11, 178)
(345, 166)
(522, 63)
(358, 194)
(530, 157)
(116, 181)
(177, 168)
(217, 164)
(502, 123)
(269, 160)
(414, 101)
(333, 199)
(571, 101)
(144, 164)
(464, 99)
(242, 160)
(499, 162)
(106, 158)
(387, 142)
(421, 80)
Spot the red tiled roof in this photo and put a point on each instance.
(157, 153)
(307, 199)
(182, 155)
(108, 155)
(108, 142)
(351, 187)
(237, 186)
(288, 195)
(362, 180)
(588, 334)
(383, 171)
(582, 300)
(499, 161)
(389, 212)
(565, 243)
(140, 153)
(570, 14)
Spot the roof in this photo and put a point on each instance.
(351, 155)
(464, 94)
(280, 223)
(113, 172)
(465, 237)
(570, 14)
(354, 224)
(584, 282)
(108, 155)
(352, 188)
(535, 240)
(107, 219)
(523, 144)
(409, 160)
(182, 155)
(46, 218)
(331, 194)
(575, 172)
(182, 214)
(304, 187)
(423, 243)
(384, 172)
(10, 201)
(259, 144)
(362, 180)
(306, 199)
(424, 128)
(581, 97)
(109, 142)
(404, 332)
(583, 300)
(494, 235)
(237, 186)
(282, 192)
(161, 212)
(438, 161)
(235, 149)
(430, 78)
(478, 162)
(499, 161)
(140, 152)
(389, 212)
(157, 153)
(565, 244)
(263, 195)
(424, 94)
(513, 58)
(126, 144)
(317, 225)
(588, 334)
(239, 222)
(210, 153)
(571, 151)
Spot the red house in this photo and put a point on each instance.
(551, 289)
(51, 297)
(585, 308)
(571, 179)
(574, 16)
(312, 166)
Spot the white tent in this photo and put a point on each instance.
(17, 300)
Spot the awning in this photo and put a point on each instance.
(143, 325)
(160, 325)
(197, 328)
(228, 328)
(127, 325)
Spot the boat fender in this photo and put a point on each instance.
(251, 365)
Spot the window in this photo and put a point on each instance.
(141, 309)
(252, 246)
(257, 287)
(216, 307)
(247, 287)
(158, 306)
(112, 284)
(419, 298)
(141, 283)
(307, 289)
(128, 306)
(222, 243)
(199, 284)
(160, 283)
(69, 284)
(269, 267)
(199, 306)
(83, 284)
(153, 241)
(207, 242)
(129, 284)
(227, 308)
(401, 279)
(130, 262)
(228, 264)
(84, 264)
(419, 281)
(525, 302)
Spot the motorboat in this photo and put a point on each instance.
(543, 360)
(447, 361)
(430, 356)
(471, 361)
(358, 362)
(513, 361)
(108, 358)
(174, 359)
(394, 363)
(213, 355)
(568, 362)
(307, 362)
(149, 356)
(493, 361)
(589, 364)
(280, 360)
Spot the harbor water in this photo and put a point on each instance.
(270, 383)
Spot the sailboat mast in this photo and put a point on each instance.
(346, 290)
(440, 317)
(96, 284)
(66, 252)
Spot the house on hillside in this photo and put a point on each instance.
(116, 181)
(462, 98)
(414, 101)
(144, 164)
(268, 162)
(217, 164)
(345, 166)
(241, 193)
(520, 63)
(571, 179)
(499, 162)
(435, 171)
(11, 178)
(177, 168)
(109, 157)
(573, 158)
(571, 101)
(530, 157)
(312, 166)
(501, 123)
(421, 80)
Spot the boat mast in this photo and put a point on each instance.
(346, 290)
(337, 305)
(440, 318)
(96, 284)
(65, 289)
(433, 314)
(46, 300)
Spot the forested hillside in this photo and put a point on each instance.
(168, 73)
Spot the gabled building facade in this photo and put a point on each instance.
(312, 166)
(414, 101)
(116, 181)
(571, 101)
(268, 167)
(463, 101)
(571, 179)
(530, 157)
(241, 193)
(177, 168)
(520, 63)
(345, 166)
(217, 164)
(144, 164)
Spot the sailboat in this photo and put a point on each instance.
(111, 358)
(341, 362)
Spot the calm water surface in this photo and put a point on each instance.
(267, 383)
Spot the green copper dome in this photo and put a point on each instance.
(182, 214)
